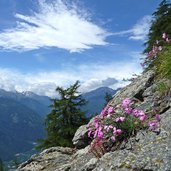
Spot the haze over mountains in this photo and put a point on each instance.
(22, 118)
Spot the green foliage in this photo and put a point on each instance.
(163, 64)
(161, 23)
(65, 118)
(128, 127)
(162, 88)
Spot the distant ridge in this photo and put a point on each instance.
(96, 100)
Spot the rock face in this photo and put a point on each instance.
(49, 159)
(147, 151)
(81, 139)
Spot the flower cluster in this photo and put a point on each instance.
(116, 124)
(157, 47)
(154, 124)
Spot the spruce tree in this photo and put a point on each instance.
(65, 118)
(161, 23)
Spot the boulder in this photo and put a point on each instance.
(81, 139)
(49, 159)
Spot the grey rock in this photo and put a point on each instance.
(49, 159)
(81, 139)
(135, 89)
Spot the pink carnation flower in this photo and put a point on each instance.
(142, 118)
(110, 110)
(152, 125)
(167, 40)
(126, 102)
(136, 112)
(117, 131)
(100, 135)
(96, 122)
(90, 132)
(141, 113)
(154, 49)
(120, 119)
(107, 128)
(128, 110)
(164, 35)
(158, 118)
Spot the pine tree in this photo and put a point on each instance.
(161, 23)
(65, 117)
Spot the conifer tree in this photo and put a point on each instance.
(65, 117)
(161, 23)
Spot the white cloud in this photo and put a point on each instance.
(91, 77)
(95, 83)
(139, 31)
(56, 24)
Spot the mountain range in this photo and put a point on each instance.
(96, 100)
(22, 118)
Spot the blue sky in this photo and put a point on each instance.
(44, 44)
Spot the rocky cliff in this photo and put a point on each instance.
(146, 151)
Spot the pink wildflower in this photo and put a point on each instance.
(141, 113)
(158, 118)
(96, 122)
(160, 48)
(128, 110)
(113, 138)
(100, 133)
(117, 131)
(89, 132)
(107, 128)
(126, 102)
(104, 111)
(110, 110)
(114, 130)
(152, 125)
(95, 134)
(136, 113)
(142, 118)
(167, 40)
(164, 35)
(154, 49)
(120, 119)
